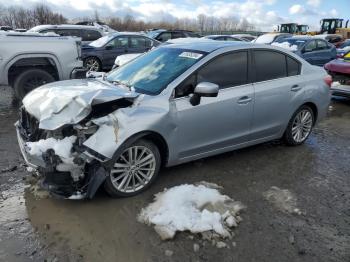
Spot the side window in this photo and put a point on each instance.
(163, 37)
(119, 42)
(226, 71)
(137, 42)
(293, 66)
(269, 65)
(177, 35)
(322, 45)
(311, 46)
(68, 32)
(90, 35)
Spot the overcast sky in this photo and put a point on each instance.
(262, 13)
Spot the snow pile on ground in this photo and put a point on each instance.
(199, 208)
(61, 147)
(286, 45)
(282, 199)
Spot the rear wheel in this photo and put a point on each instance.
(29, 80)
(134, 170)
(300, 126)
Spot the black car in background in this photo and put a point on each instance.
(101, 54)
(163, 35)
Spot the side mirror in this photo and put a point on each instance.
(205, 89)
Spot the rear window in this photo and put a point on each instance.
(90, 35)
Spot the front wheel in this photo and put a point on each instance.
(134, 170)
(92, 64)
(300, 126)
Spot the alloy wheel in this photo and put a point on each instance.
(302, 125)
(92, 64)
(134, 169)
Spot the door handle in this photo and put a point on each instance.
(295, 88)
(244, 100)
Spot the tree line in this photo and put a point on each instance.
(19, 17)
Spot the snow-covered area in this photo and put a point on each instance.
(286, 45)
(282, 199)
(123, 59)
(196, 208)
(61, 147)
(265, 39)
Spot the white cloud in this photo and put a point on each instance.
(314, 3)
(296, 9)
(333, 12)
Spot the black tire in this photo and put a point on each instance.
(92, 60)
(111, 188)
(288, 135)
(29, 80)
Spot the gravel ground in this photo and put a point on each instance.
(313, 224)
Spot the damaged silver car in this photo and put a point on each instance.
(175, 104)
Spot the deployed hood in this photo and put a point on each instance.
(69, 102)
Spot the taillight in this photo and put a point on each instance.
(328, 80)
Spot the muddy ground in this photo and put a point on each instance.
(105, 229)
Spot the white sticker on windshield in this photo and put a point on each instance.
(190, 55)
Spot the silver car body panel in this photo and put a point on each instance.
(216, 125)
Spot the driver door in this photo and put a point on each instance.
(217, 123)
(115, 47)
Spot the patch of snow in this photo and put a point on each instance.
(286, 45)
(61, 147)
(334, 84)
(194, 208)
(30, 169)
(123, 59)
(282, 199)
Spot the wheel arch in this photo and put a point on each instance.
(313, 108)
(151, 136)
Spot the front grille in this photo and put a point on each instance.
(29, 126)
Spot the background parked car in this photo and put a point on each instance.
(334, 39)
(271, 37)
(164, 35)
(31, 60)
(315, 51)
(86, 33)
(245, 37)
(6, 28)
(339, 69)
(343, 48)
(101, 54)
(223, 37)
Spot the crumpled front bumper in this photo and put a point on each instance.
(32, 161)
(58, 183)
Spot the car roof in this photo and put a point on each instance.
(128, 34)
(66, 26)
(209, 46)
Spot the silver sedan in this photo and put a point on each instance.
(175, 104)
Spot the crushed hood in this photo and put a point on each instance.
(68, 102)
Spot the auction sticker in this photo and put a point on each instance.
(191, 55)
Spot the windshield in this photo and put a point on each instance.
(152, 34)
(265, 39)
(101, 41)
(152, 72)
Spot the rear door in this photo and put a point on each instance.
(325, 52)
(117, 46)
(276, 82)
(139, 44)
